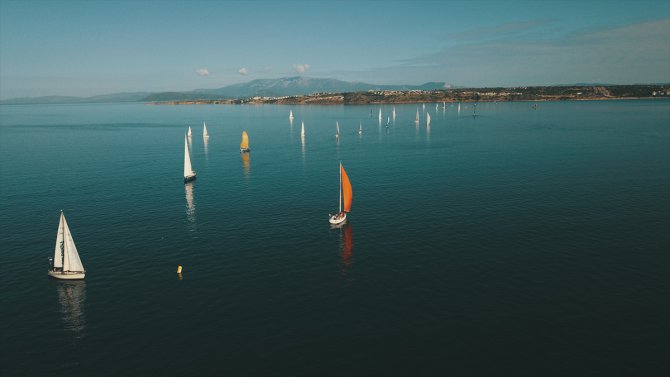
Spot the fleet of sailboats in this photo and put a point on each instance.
(346, 196)
(189, 173)
(244, 144)
(66, 264)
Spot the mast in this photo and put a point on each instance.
(340, 187)
(62, 244)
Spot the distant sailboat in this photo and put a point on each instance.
(337, 129)
(290, 115)
(417, 116)
(388, 121)
(427, 119)
(346, 196)
(394, 113)
(459, 107)
(204, 130)
(436, 108)
(360, 129)
(244, 144)
(189, 131)
(302, 131)
(189, 174)
(66, 264)
(444, 105)
(380, 115)
(424, 107)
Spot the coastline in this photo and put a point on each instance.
(386, 97)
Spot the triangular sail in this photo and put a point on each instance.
(290, 114)
(188, 169)
(427, 119)
(58, 258)
(189, 131)
(244, 144)
(65, 254)
(393, 112)
(302, 132)
(380, 114)
(417, 115)
(204, 130)
(347, 193)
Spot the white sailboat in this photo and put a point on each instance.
(417, 116)
(290, 115)
(394, 113)
(360, 128)
(204, 130)
(337, 130)
(66, 264)
(189, 131)
(346, 196)
(436, 108)
(302, 131)
(444, 105)
(189, 174)
(388, 121)
(428, 119)
(424, 107)
(380, 115)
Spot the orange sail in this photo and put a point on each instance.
(347, 193)
(245, 141)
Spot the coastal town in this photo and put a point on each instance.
(525, 93)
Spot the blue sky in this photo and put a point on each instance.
(85, 48)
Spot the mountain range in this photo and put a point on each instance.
(286, 86)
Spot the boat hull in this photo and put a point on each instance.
(244, 150)
(67, 275)
(189, 178)
(334, 220)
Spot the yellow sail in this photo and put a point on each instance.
(347, 193)
(245, 140)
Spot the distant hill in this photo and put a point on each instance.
(287, 86)
(116, 97)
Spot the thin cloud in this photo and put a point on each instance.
(202, 72)
(301, 68)
(243, 71)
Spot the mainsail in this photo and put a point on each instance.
(188, 169)
(65, 254)
(244, 144)
(347, 193)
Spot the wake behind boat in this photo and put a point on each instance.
(66, 264)
(346, 196)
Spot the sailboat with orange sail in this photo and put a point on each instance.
(244, 144)
(346, 196)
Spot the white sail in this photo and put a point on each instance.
(394, 113)
(337, 128)
(188, 169)
(427, 119)
(360, 128)
(380, 114)
(290, 114)
(189, 131)
(444, 105)
(66, 255)
(204, 130)
(302, 132)
(459, 107)
(424, 106)
(417, 115)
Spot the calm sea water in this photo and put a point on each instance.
(518, 242)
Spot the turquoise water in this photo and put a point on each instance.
(517, 242)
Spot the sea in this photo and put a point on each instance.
(504, 239)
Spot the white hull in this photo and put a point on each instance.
(189, 178)
(335, 221)
(67, 275)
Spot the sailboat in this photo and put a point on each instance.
(244, 144)
(302, 131)
(337, 130)
(204, 130)
(360, 128)
(417, 116)
(66, 264)
(189, 131)
(290, 115)
(346, 195)
(424, 106)
(394, 113)
(380, 115)
(388, 121)
(427, 119)
(444, 105)
(189, 174)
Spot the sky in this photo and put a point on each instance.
(85, 48)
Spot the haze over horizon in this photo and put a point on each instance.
(78, 48)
